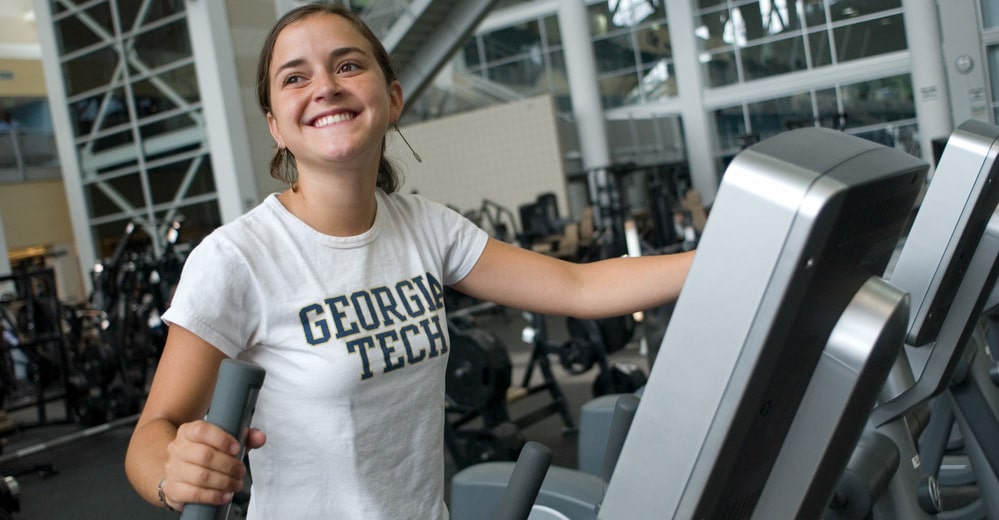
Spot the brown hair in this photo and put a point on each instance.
(283, 163)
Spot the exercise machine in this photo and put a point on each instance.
(233, 403)
(948, 265)
(782, 325)
(478, 426)
(791, 291)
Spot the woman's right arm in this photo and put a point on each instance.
(172, 447)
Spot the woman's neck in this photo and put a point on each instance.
(338, 205)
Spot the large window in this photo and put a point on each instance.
(27, 145)
(743, 40)
(631, 45)
(516, 58)
(135, 113)
(992, 54)
(990, 13)
(881, 110)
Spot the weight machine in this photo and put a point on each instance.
(116, 338)
(31, 326)
(478, 387)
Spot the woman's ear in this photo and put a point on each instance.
(396, 101)
(275, 133)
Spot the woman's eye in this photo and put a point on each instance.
(349, 67)
(292, 79)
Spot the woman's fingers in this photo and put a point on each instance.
(203, 432)
(183, 493)
(255, 438)
(203, 466)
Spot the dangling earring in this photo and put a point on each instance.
(286, 166)
(416, 155)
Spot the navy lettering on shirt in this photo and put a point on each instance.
(387, 328)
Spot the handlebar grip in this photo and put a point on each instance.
(232, 408)
(525, 482)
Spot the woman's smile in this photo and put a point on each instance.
(331, 119)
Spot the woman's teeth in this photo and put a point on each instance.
(332, 120)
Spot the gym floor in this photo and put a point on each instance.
(78, 474)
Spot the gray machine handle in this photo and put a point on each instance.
(232, 407)
(624, 412)
(525, 482)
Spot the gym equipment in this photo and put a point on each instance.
(544, 231)
(827, 210)
(525, 481)
(32, 328)
(232, 407)
(831, 413)
(589, 344)
(663, 207)
(496, 219)
(595, 420)
(10, 492)
(476, 384)
(539, 220)
(564, 493)
(948, 265)
(745, 338)
(937, 260)
(478, 392)
(116, 338)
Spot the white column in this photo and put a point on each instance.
(964, 61)
(929, 78)
(225, 122)
(698, 128)
(577, 45)
(584, 90)
(62, 124)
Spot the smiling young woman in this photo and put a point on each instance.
(331, 103)
(335, 287)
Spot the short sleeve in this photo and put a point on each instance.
(216, 298)
(461, 241)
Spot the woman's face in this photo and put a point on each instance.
(330, 101)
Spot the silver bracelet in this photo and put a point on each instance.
(162, 496)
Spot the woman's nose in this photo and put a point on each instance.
(326, 86)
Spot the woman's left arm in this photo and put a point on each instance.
(522, 279)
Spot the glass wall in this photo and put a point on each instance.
(882, 110)
(743, 40)
(990, 13)
(738, 41)
(631, 46)
(989, 34)
(525, 59)
(992, 55)
(135, 117)
(27, 145)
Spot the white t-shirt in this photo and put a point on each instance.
(353, 335)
